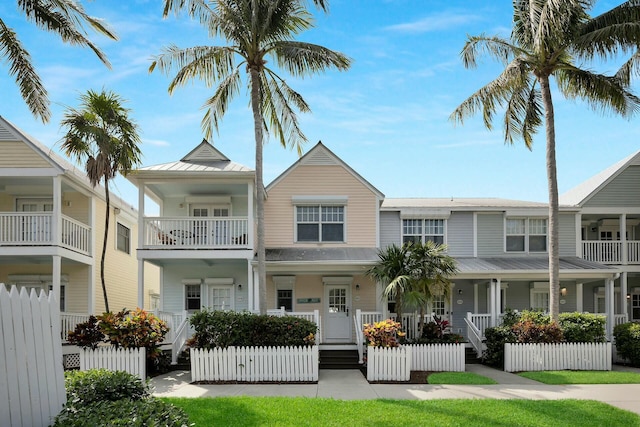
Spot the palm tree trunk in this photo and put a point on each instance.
(104, 246)
(256, 106)
(552, 178)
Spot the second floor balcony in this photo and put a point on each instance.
(37, 229)
(611, 251)
(196, 233)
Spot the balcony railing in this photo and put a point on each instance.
(34, 229)
(196, 233)
(610, 251)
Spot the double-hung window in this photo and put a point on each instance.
(192, 294)
(320, 223)
(526, 235)
(123, 239)
(423, 230)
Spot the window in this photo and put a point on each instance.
(285, 299)
(320, 223)
(526, 235)
(123, 239)
(192, 297)
(423, 230)
(221, 297)
(438, 305)
(539, 296)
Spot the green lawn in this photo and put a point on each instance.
(298, 411)
(583, 377)
(459, 378)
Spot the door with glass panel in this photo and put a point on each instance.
(221, 298)
(337, 314)
(34, 228)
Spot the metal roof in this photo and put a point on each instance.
(202, 166)
(346, 255)
(454, 202)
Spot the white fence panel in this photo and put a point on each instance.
(437, 357)
(131, 360)
(255, 364)
(388, 363)
(31, 374)
(557, 357)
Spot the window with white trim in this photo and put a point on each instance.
(320, 223)
(526, 235)
(423, 230)
(221, 298)
(192, 297)
(539, 297)
(123, 238)
(284, 299)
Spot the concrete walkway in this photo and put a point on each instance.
(351, 384)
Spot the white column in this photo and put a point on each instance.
(250, 215)
(624, 289)
(492, 301)
(250, 286)
(475, 298)
(56, 271)
(608, 302)
(141, 230)
(623, 239)
(256, 291)
(141, 283)
(498, 298)
(579, 298)
(56, 223)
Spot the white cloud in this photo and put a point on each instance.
(437, 22)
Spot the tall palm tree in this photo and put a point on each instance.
(393, 271)
(549, 39)
(255, 30)
(102, 135)
(63, 17)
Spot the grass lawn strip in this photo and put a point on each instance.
(459, 378)
(300, 411)
(582, 377)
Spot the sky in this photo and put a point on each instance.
(387, 117)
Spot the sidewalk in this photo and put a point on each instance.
(351, 384)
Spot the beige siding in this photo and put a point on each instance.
(76, 205)
(19, 155)
(320, 181)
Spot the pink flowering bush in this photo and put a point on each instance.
(383, 334)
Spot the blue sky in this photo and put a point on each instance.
(387, 117)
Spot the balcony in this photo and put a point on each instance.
(35, 229)
(611, 251)
(196, 233)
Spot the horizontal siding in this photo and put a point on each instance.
(304, 180)
(460, 234)
(390, 229)
(567, 233)
(490, 235)
(623, 191)
(19, 155)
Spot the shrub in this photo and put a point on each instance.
(383, 334)
(583, 327)
(534, 316)
(527, 331)
(85, 387)
(627, 336)
(227, 328)
(495, 338)
(123, 412)
(445, 339)
(87, 334)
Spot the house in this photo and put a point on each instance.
(324, 227)
(51, 232)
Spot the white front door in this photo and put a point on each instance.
(337, 324)
(36, 228)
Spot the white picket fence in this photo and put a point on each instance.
(255, 364)
(389, 363)
(32, 389)
(437, 357)
(557, 357)
(131, 360)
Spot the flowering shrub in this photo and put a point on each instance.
(383, 334)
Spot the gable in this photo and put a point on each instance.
(621, 191)
(16, 153)
(205, 152)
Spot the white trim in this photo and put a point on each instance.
(284, 282)
(191, 281)
(219, 281)
(337, 280)
(314, 200)
(217, 200)
(424, 213)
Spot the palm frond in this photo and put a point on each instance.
(197, 9)
(216, 106)
(301, 59)
(496, 47)
(21, 67)
(613, 32)
(629, 68)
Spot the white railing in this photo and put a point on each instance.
(480, 320)
(619, 319)
(474, 335)
(198, 232)
(26, 228)
(388, 363)
(557, 357)
(179, 339)
(131, 360)
(76, 235)
(69, 321)
(370, 316)
(608, 252)
(255, 364)
(357, 321)
(633, 252)
(173, 320)
(410, 321)
(437, 357)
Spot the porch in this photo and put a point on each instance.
(196, 233)
(609, 238)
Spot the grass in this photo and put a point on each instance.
(300, 411)
(459, 378)
(583, 377)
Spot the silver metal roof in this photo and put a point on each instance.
(350, 255)
(191, 166)
(454, 202)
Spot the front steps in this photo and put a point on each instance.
(339, 359)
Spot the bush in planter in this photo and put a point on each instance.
(383, 334)
(227, 328)
(85, 387)
(627, 336)
(583, 327)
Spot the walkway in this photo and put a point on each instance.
(351, 384)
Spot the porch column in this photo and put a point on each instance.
(475, 298)
(492, 301)
(579, 297)
(56, 223)
(256, 291)
(498, 299)
(250, 286)
(623, 239)
(624, 289)
(381, 305)
(250, 215)
(141, 230)
(608, 302)
(55, 277)
(141, 283)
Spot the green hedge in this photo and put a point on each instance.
(85, 387)
(228, 328)
(583, 327)
(627, 337)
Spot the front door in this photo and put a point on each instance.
(35, 228)
(337, 322)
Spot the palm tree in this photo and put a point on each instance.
(548, 39)
(255, 30)
(393, 271)
(63, 17)
(102, 135)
